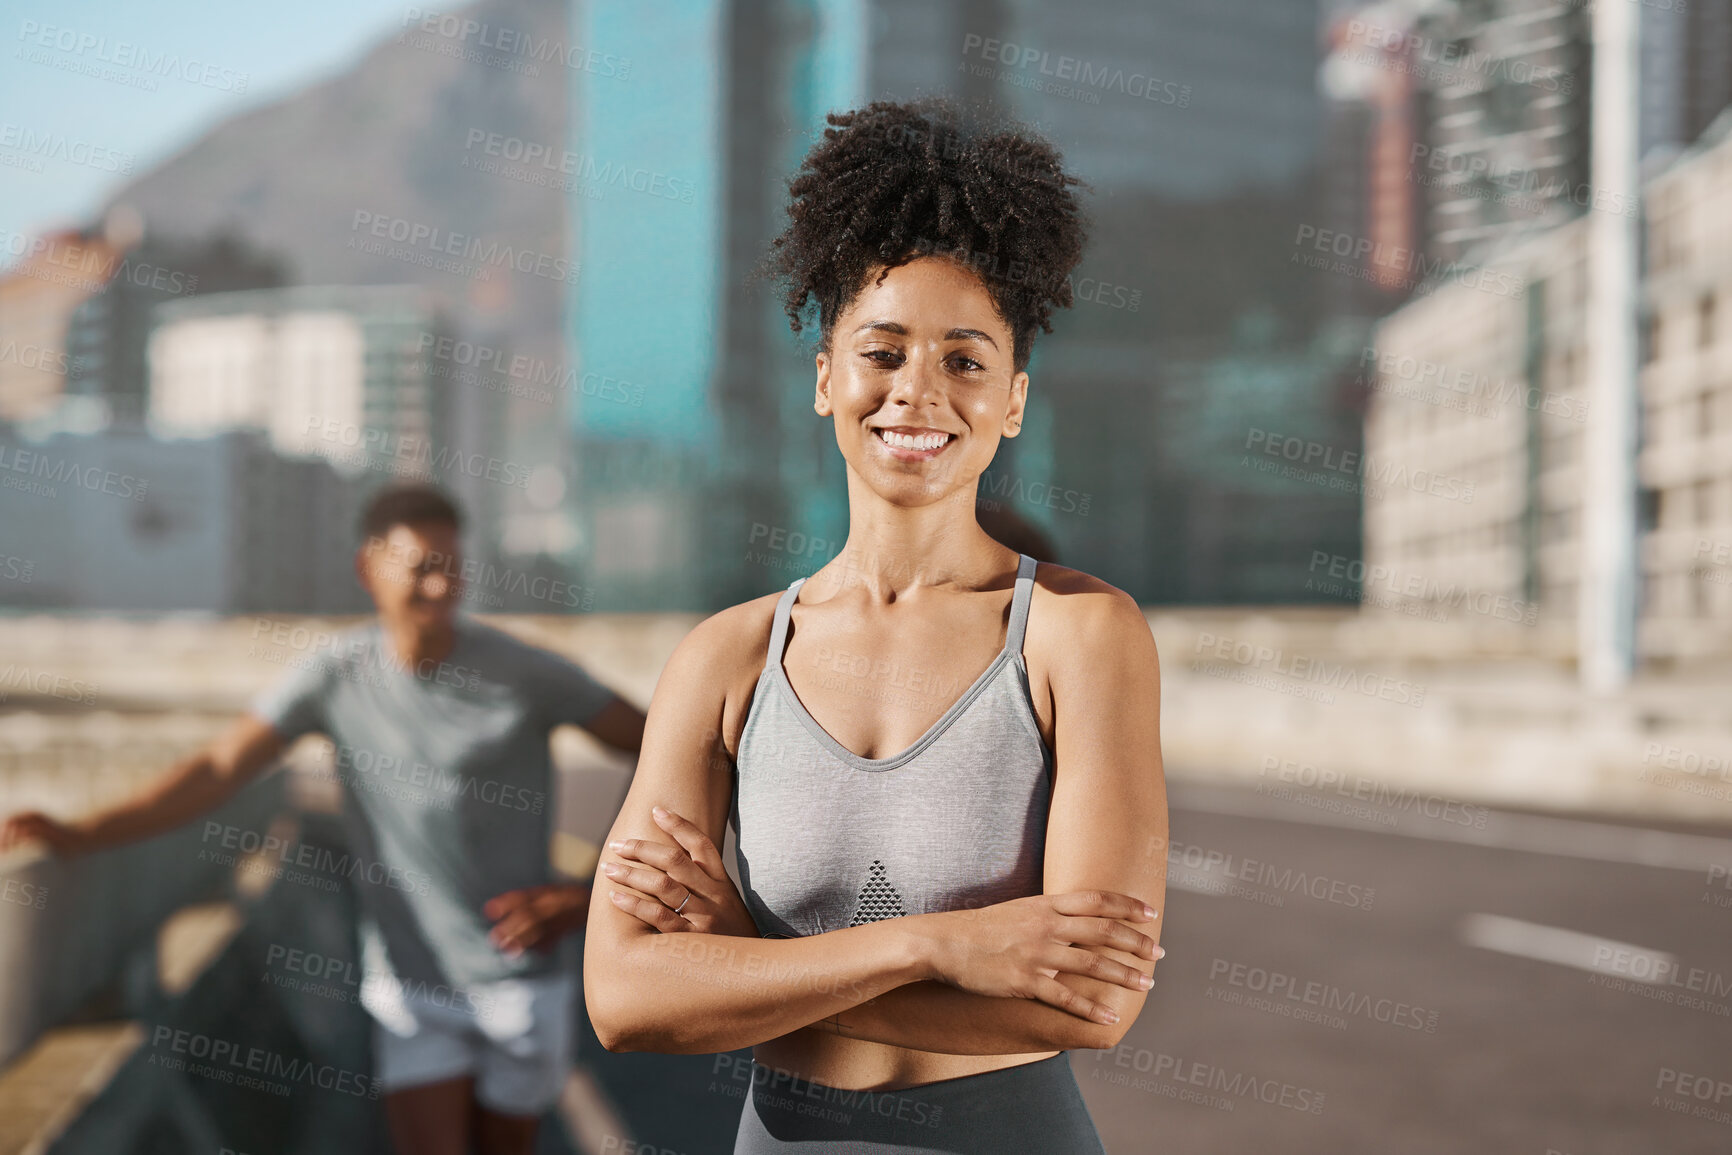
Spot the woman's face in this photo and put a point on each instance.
(919, 379)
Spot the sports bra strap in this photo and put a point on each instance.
(1019, 600)
(779, 631)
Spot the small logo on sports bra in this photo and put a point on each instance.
(878, 899)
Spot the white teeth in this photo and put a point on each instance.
(922, 441)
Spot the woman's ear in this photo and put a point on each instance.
(1018, 404)
(821, 398)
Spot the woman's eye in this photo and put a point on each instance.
(968, 364)
(882, 356)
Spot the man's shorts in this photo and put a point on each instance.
(513, 1036)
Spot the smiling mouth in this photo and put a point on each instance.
(913, 444)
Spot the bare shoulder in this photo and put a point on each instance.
(727, 643)
(1070, 600)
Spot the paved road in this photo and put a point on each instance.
(1328, 988)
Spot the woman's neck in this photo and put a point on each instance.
(892, 550)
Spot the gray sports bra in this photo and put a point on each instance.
(828, 839)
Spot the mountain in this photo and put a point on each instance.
(393, 143)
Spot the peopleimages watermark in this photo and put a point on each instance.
(255, 1068)
(883, 679)
(1308, 670)
(1692, 771)
(31, 894)
(1449, 59)
(17, 569)
(1360, 789)
(1067, 76)
(386, 449)
(329, 976)
(1191, 1081)
(90, 267)
(33, 472)
(29, 355)
(1348, 468)
(1404, 375)
(1719, 876)
(1518, 187)
(98, 56)
(992, 266)
(31, 147)
(1386, 586)
(484, 582)
(1660, 978)
(303, 862)
(1231, 868)
(1699, 1096)
(46, 684)
(735, 1077)
(466, 254)
(1259, 988)
(352, 654)
(1340, 252)
(501, 45)
(555, 163)
(470, 362)
(424, 783)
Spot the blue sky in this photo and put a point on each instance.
(80, 128)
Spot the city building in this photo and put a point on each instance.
(108, 331)
(1479, 401)
(1686, 457)
(51, 276)
(337, 372)
(123, 521)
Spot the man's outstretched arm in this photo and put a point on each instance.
(193, 786)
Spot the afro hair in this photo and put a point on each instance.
(894, 182)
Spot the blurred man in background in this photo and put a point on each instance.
(441, 726)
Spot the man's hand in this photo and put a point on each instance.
(63, 838)
(536, 917)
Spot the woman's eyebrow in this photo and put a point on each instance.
(902, 331)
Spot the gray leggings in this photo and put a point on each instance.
(1032, 1109)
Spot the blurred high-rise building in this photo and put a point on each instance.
(52, 275)
(108, 331)
(332, 372)
(1456, 124)
(1483, 396)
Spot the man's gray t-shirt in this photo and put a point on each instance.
(448, 788)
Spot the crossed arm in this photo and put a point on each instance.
(1056, 971)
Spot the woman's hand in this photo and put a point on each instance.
(1016, 949)
(688, 876)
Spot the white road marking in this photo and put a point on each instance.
(1567, 948)
(1503, 830)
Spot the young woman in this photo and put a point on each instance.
(942, 759)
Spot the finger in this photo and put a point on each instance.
(695, 841)
(650, 911)
(1105, 903)
(1054, 993)
(657, 854)
(1111, 933)
(1076, 961)
(648, 880)
(501, 905)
